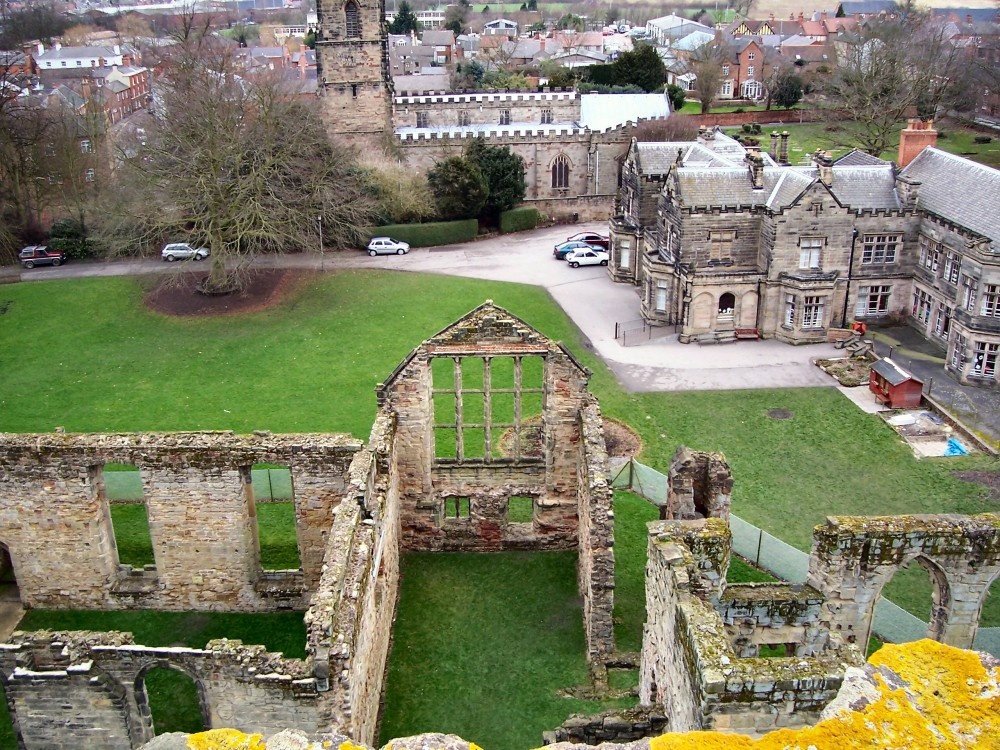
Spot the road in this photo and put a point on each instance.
(586, 294)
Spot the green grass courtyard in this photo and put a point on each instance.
(105, 363)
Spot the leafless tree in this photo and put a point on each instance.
(891, 71)
(706, 64)
(239, 165)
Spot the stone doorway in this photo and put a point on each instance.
(11, 610)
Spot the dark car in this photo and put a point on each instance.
(591, 238)
(565, 248)
(40, 255)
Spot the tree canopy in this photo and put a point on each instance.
(788, 89)
(405, 20)
(222, 169)
(641, 67)
(504, 174)
(459, 188)
(677, 95)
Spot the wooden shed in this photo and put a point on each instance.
(894, 386)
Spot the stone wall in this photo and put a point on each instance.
(700, 485)
(57, 525)
(766, 614)
(854, 557)
(610, 726)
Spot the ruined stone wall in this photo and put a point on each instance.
(767, 614)
(853, 557)
(700, 485)
(596, 569)
(72, 685)
(610, 726)
(689, 665)
(350, 621)
(202, 517)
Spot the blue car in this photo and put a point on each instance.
(566, 248)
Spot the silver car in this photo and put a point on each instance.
(387, 246)
(183, 251)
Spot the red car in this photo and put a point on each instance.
(39, 255)
(591, 238)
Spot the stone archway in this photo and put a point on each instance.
(11, 610)
(170, 689)
(940, 604)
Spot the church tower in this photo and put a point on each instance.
(352, 68)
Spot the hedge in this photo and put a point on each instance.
(519, 219)
(432, 233)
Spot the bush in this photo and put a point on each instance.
(746, 127)
(739, 111)
(981, 139)
(519, 219)
(755, 128)
(429, 234)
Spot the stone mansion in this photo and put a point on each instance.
(727, 242)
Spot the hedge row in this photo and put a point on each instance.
(519, 219)
(427, 235)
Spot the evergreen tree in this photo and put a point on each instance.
(405, 21)
(640, 67)
(677, 95)
(787, 90)
(504, 174)
(459, 188)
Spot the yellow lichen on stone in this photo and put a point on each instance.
(348, 745)
(702, 741)
(225, 739)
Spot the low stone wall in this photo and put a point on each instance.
(575, 208)
(610, 726)
(770, 614)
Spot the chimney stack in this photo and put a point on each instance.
(824, 162)
(756, 164)
(916, 136)
(773, 151)
(909, 191)
(783, 151)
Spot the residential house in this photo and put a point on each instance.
(500, 27)
(667, 28)
(442, 43)
(725, 242)
(59, 59)
(745, 68)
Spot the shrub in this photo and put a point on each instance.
(755, 128)
(746, 127)
(431, 233)
(739, 111)
(519, 219)
(982, 139)
(74, 247)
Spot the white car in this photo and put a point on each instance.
(579, 258)
(387, 246)
(183, 251)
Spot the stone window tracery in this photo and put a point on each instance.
(352, 18)
(560, 172)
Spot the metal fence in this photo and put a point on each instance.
(891, 622)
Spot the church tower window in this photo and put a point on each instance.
(352, 15)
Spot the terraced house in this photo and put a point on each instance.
(728, 242)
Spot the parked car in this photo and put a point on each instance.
(565, 248)
(591, 238)
(387, 246)
(183, 251)
(40, 255)
(587, 258)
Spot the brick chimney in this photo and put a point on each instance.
(302, 61)
(783, 151)
(756, 164)
(706, 136)
(773, 151)
(824, 162)
(916, 136)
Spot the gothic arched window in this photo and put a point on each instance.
(352, 15)
(560, 172)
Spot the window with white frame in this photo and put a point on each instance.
(812, 312)
(942, 321)
(721, 244)
(984, 359)
(958, 353)
(880, 248)
(505, 117)
(952, 266)
(930, 254)
(725, 71)
(751, 55)
(750, 71)
(86, 146)
(546, 117)
(873, 300)
(624, 253)
(90, 175)
(661, 296)
(991, 300)
(810, 252)
(752, 90)
(726, 89)
(789, 310)
(922, 304)
(968, 292)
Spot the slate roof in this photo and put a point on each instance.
(959, 190)
(858, 158)
(865, 187)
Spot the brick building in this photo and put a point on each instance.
(726, 242)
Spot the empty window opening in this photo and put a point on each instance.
(456, 508)
(352, 15)
(274, 503)
(174, 700)
(486, 408)
(921, 588)
(122, 486)
(989, 615)
(354, 90)
(520, 509)
(9, 592)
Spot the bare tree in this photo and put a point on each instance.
(706, 64)
(892, 70)
(239, 165)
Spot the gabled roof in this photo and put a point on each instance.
(959, 190)
(444, 36)
(858, 158)
(892, 372)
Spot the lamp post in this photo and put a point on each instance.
(322, 256)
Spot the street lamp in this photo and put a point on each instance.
(322, 257)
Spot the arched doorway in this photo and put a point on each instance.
(11, 610)
(170, 699)
(921, 588)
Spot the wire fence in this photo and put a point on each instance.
(268, 484)
(891, 622)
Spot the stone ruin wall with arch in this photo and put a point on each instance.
(357, 506)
